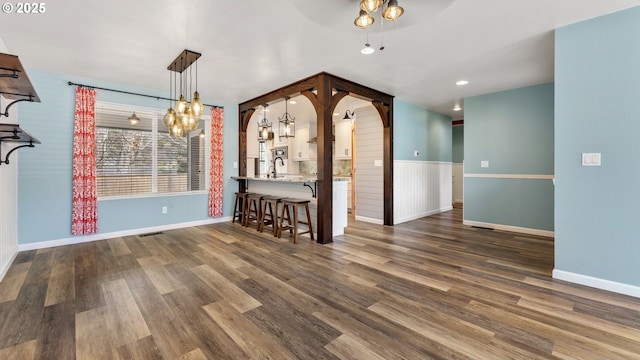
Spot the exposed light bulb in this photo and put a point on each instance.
(169, 118)
(181, 106)
(196, 105)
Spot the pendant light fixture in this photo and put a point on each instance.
(348, 115)
(133, 119)
(186, 116)
(264, 127)
(286, 123)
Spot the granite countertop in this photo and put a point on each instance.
(288, 178)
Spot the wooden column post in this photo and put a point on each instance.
(325, 161)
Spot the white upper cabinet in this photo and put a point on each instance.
(343, 140)
(304, 151)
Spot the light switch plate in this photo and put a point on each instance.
(377, 163)
(591, 159)
(484, 163)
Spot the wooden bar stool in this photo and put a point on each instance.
(253, 209)
(289, 205)
(270, 204)
(239, 207)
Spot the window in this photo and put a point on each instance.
(264, 168)
(144, 158)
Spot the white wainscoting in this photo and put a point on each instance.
(8, 212)
(420, 188)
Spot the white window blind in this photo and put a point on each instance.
(143, 158)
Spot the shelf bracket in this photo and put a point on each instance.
(314, 189)
(13, 75)
(6, 160)
(6, 110)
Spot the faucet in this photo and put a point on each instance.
(275, 173)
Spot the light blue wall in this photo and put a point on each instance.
(458, 144)
(416, 128)
(513, 130)
(597, 107)
(44, 176)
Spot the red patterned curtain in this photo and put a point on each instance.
(84, 210)
(216, 163)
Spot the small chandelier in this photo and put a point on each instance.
(286, 123)
(264, 127)
(186, 116)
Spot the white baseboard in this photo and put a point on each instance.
(517, 229)
(111, 235)
(597, 283)
(5, 267)
(370, 220)
(421, 215)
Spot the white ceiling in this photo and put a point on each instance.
(251, 47)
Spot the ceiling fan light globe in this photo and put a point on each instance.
(370, 5)
(364, 20)
(393, 11)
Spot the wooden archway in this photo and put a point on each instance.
(325, 91)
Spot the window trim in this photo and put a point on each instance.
(158, 114)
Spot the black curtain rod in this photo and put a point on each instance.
(137, 94)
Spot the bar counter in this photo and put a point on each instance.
(303, 187)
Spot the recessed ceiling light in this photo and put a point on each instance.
(462, 82)
(336, 114)
(367, 49)
(292, 102)
(457, 108)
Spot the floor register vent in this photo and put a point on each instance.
(151, 234)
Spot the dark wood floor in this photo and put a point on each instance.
(430, 288)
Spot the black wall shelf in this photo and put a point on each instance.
(14, 85)
(14, 82)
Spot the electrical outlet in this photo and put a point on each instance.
(165, 210)
(416, 153)
(484, 163)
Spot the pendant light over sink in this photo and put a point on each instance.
(264, 127)
(286, 123)
(186, 116)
